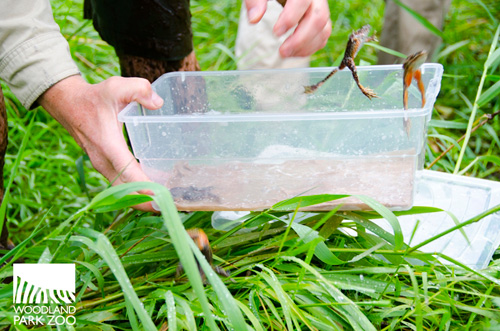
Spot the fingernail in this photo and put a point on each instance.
(157, 100)
(252, 15)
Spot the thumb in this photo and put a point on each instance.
(134, 89)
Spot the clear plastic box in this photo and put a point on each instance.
(464, 197)
(244, 140)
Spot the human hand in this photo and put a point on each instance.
(89, 113)
(312, 18)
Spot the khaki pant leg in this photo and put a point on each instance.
(403, 33)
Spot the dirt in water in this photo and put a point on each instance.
(257, 185)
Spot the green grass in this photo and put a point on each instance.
(326, 273)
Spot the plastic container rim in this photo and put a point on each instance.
(264, 117)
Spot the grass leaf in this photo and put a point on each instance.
(357, 319)
(14, 169)
(489, 94)
(306, 201)
(388, 215)
(100, 244)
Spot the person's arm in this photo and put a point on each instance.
(312, 18)
(36, 64)
(33, 53)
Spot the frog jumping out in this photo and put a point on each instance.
(411, 70)
(354, 44)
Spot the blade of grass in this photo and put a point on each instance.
(187, 312)
(489, 94)
(100, 244)
(465, 267)
(181, 242)
(248, 313)
(388, 216)
(357, 319)
(488, 158)
(493, 19)
(132, 318)
(306, 201)
(307, 235)
(228, 302)
(97, 274)
(171, 311)
(15, 251)
(386, 50)
(367, 224)
(450, 49)
(284, 300)
(80, 168)
(416, 302)
(476, 104)
(13, 171)
(474, 219)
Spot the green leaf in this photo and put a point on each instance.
(80, 168)
(352, 312)
(13, 171)
(124, 202)
(387, 50)
(413, 211)
(14, 252)
(100, 244)
(451, 48)
(226, 299)
(171, 311)
(185, 248)
(389, 217)
(113, 194)
(493, 58)
(305, 201)
(321, 251)
(355, 217)
(96, 272)
(447, 124)
(283, 298)
(489, 94)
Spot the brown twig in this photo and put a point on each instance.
(138, 242)
(487, 117)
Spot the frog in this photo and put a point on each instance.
(411, 71)
(201, 240)
(356, 40)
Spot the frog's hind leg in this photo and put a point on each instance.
(311, 88)
(369, 93)
(407, 78)
(418, 77)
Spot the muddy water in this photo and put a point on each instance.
(259, 185)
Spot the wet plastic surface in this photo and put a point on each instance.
(464, 197)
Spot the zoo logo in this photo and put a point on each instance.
(41, 283)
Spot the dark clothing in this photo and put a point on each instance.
(156, 29)
(4, 237)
